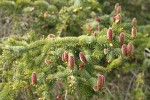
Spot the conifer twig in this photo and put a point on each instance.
(109, 92)
(66, 95)
(128, 89)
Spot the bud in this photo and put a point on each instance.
(65, 57)
(121, 38)
(95, 88)
(109, 34)
(95, 33)
(45, 14)
(62, 57)
(98, 19)
(130, 48)
(27, 87)
(118, 9)
(34, 78)
(59, 97)
(117, 18)
(51, 36)
(82, 57)
(124, 49)
(100, 81)
(81, 66)
(134, 21)
(116, 6)
(88, 27)
(71, 62)
(47, 62)
(133, 32)
(98, 27)
(114, 17)
(105, 51)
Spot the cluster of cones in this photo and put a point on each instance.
(70, 59)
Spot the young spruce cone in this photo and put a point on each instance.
(100, 82)
(134, 22)
(130, 49)
(98, 19)
(124, 49)
(116, 6)
(117, 18)
(71, 62)
(133, 32)
(82, 57)
(121, 38)
(34, 78)
(65, 57)
(95, 33)
(109, 34)
(88, 27)
(118, 9)
(27, 87)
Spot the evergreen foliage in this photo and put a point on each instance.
(57, 26)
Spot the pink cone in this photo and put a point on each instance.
(71, 62)
(82, 57)
(34, 78)
(124, 49)
(109, 34)
(130, 48)
(122, 38)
